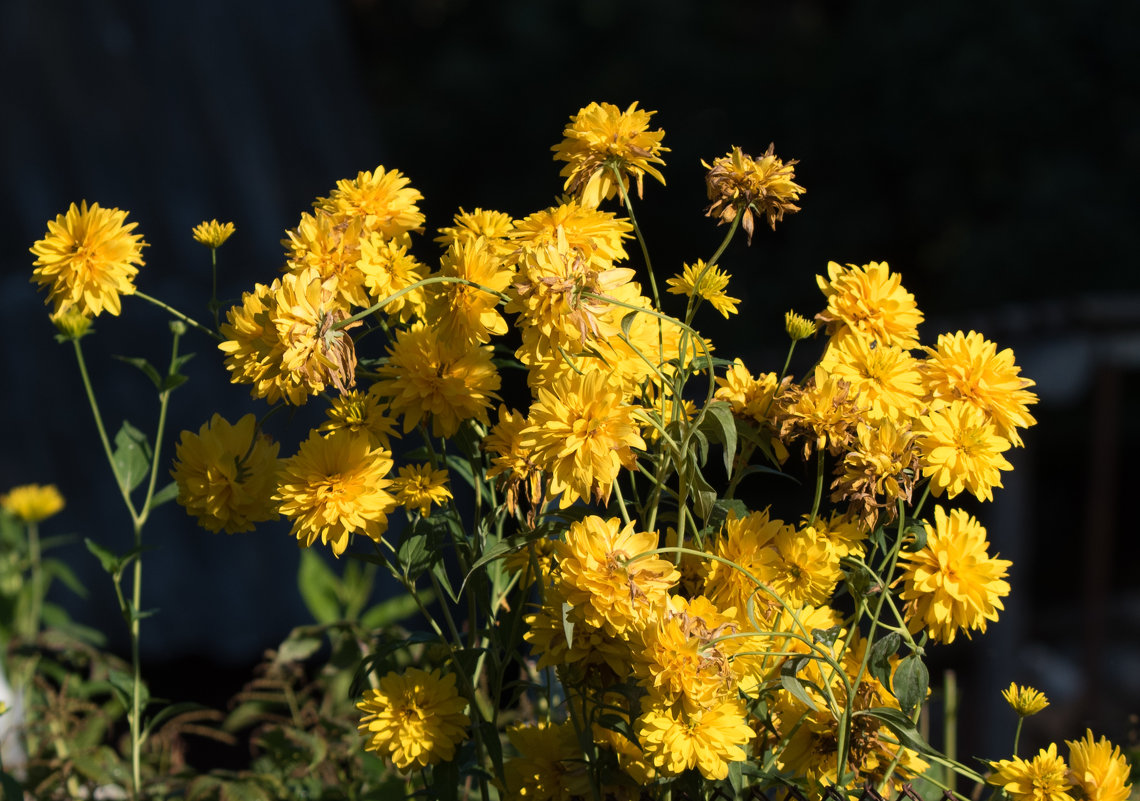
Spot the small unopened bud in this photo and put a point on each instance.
(71, 323)
(798, 327)
(177, 327)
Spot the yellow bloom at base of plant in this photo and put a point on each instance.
(583, 434)
(415, 718)
(424, 381)
(32, 502)
(601, 135)
(706, 739)
(418, 487)
(87, 259)
(739, 184)
(952, 583)
(334, 487)
(1025, 701)
(707, 282)
(1098, 769)
(871, 302)
(212, 234)
(549, 766)
(601, 578)
(226, 474)
(969, 367)
(1044, 778)
(961, 451)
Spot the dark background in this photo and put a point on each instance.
(988, 152)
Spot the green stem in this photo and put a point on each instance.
(214, 305)
(123, 490)
(1017, 734)
(33, 624)
(950, 725)
(190, 321)
(435, 279)
(818, 485)
(640, 237)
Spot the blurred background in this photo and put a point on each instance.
(988, 152)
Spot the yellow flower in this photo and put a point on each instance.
(1025, 701)
(549, 766)
(843, 532)
(494, 226)
(388, 268)
(382, 200)
(594, 656)
(358, 412)
(510, 459)
(960, 450)
(747, 395)
(952, 583)
(601, 578)
(871, 302)
(824, 413)
(335, 486)
(414, 718)
(743, 541)
(1099, 769)
(417, 487)
(706, 739)
(707, 282)
(739, 184)
(879, 469)
(212, 234)
(969, 367)
(583, 434)
(884, 377)
(331, 246)
(422, 380)
(466, 314)
(226, 474)
(596, 235)
(32, 502)
(800, 567)
(87, 259)
(1044, 778)
(71, 323)
(601, 136)
(798, 326)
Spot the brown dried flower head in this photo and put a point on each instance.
(740, 184)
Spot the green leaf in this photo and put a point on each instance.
(567, 624)
(414, 554)
(11, 788)
(704, 496)
(912, 680)
(826, 636)
(900, 725)
(298, 647)
(736, 777)
(146, 367)
(164, 495)
(101, 766)
(791, 682)
(173, 382)
(54, 617)
(917, 530)
(493, 744)
(57, 569)
(879, 662)
(462, 468)
(721, 426)
(725, 508)
(168, 712)
(131, 456)
(395, 609)
(122, 683)
(318, 586)
(109, 561)
(626, 322)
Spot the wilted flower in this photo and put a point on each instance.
(741, 185)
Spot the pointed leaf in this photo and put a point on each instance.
(131, 456)
(164, 495)
(879, 662)
(109, 561)
(911, 682)
(146, 367)
(900, 725)
(721, 425)
(318, 586)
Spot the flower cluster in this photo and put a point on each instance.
(673, 626)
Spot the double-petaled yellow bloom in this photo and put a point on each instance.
(414, 718)
(32, 502)
(87, 259)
